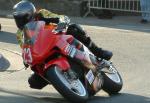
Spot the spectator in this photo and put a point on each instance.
(145, 7)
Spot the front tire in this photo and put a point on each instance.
(73, 90)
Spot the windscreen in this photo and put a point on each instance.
(32, 30)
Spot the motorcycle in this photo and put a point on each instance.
(68, 65)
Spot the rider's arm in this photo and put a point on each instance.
(50, 17)
(39, 16)
(19, 37)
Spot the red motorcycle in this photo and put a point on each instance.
(66, 63)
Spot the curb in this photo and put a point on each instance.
(9, 16)
(6, 14)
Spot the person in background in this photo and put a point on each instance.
(0, 27)
(145, 8)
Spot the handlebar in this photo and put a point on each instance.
(61, 27)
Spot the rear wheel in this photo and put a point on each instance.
(112, 80)
(67, 85)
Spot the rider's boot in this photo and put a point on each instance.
(99, 52)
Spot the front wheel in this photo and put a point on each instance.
(112, 80)
(70, 87)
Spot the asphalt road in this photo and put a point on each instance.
(130, 43)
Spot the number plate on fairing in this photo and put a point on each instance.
(90, 76)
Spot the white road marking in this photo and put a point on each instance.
(134, 27)
(14, 26)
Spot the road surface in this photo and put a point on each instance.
(130, 43)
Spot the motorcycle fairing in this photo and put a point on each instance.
(40, 43)
(62, 62)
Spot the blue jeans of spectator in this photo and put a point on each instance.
(145, 6)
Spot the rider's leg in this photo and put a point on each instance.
(81, 35)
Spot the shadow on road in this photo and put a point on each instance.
(20, 99)
(4, 63)
(44, 97)
(120, 98)
(8, 37)
(28, 96)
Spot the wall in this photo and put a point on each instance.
(67, 7)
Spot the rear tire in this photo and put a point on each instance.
(70, 91)
(112, 81)
(110, 86)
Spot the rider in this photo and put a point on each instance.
(25, 11)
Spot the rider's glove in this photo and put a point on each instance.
(61, 26)
(66, 19)
(26, 65)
